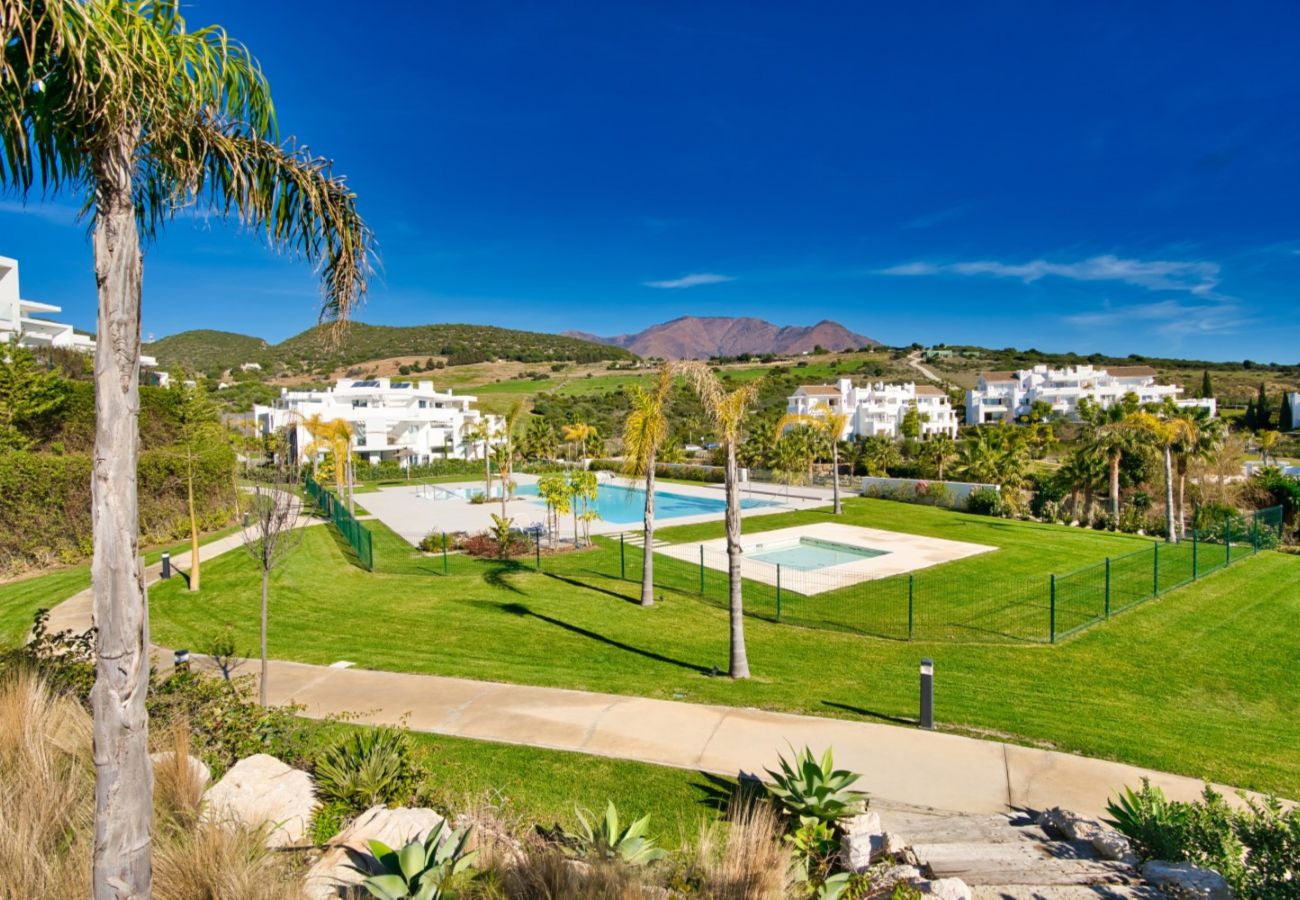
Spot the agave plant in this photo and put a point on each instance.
(812, 788)
(370, 767)
(418, 871)
(606, 838)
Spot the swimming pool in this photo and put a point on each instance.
(809, 554)
(624, 504)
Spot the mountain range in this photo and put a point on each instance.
(702, 337)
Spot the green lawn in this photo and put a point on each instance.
(20, 599)
(1197, 682)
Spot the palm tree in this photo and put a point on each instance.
(1082, 472)
(1267, 443)
(479, 431)
(788, 459)
(878, 454)
(644, 432)
(1114, 436)
(1200, 440)
(506, 458)
(832, 426)
(727, 410)
(1165, 433)
(940, 450)
(340, 433)
(116, 102)
(539, 439)
(577, 435)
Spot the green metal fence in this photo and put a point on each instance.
(356, 534)
(932, 604)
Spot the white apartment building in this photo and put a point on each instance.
(407, 421)
(877, 410)
(20, 318)
(1004, 396)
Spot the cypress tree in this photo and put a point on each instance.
(1263, 412)
(1248, 417)
(1207, 387)
(1286, 416)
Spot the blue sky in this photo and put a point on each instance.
(1116, 177)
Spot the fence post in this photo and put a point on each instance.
(1195, 553)
(1108, 587)
(622, 558)
(701, 568)
(1227, 541)
(444, 553)
(1155, 570)
(1254, 532)
(911, 603)
(778, 592)
(537, 548)
(1052, 621)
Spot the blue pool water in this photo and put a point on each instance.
(808, 554)
(623, 504)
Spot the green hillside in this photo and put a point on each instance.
(205, 349)
(318, 351)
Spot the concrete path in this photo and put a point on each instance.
(914, 360)
(900, 766)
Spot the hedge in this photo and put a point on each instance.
(45, 503)
(680, 471)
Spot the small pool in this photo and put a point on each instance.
(624, 504)
(810, 554)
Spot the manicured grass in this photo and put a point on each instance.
(1197, 682)
(20, 599)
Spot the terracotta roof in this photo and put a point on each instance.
(1130, 371)
(820, 389)
(929, 390)
(998, 376)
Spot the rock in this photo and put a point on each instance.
(261, 790)
(1113, 845)
(895, 874)
(946, 888)
(861, 841)
(1186, 880)
(332, 875)
(202, 774)
(1062, 823)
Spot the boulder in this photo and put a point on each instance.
(895, 874)
(332, 875)
(1113, 845)
(862, 841)
(946, 888)
(1070, 826)
(202, 774)
(261, 790)
(1186, 880)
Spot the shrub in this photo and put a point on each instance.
(1257, 849)
(435, 542)
(367, 768)
(606, 838)
(811, 788)
(985, 502)
(485, 546)
(418, 870)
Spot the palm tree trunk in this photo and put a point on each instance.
(123, 775)
(835, 484)
(1182, 499)
(739, 666)
(1114, 489)
(194, 528)
(1169, 495)
(266, 576)
(647, 553)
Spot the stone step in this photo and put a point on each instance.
(1036, 872)
(1066, 892)
(936, 854)
(956, 829)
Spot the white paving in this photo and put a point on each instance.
(902, 553)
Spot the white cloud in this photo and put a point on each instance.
(54, 213)
(695, 279)
(1196, 277)
(1167, 317)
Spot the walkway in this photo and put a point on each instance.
(900, 766)
(914, 360)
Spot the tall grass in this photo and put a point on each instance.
(47, 802)
(750, 861)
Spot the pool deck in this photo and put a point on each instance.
(903, 553)
(413, 513)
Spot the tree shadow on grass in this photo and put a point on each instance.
(870, 713)
(723, 793)
(591, 587)
(518, 609)
(495, 576)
